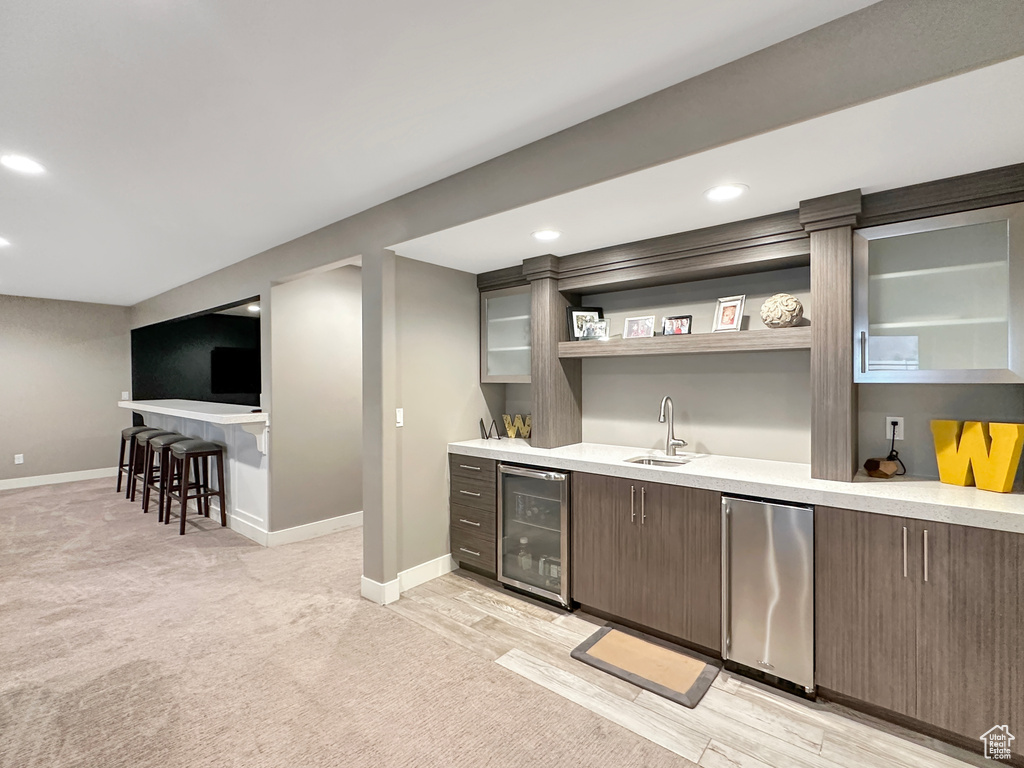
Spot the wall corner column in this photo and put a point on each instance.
(556, 385)
(830, 222)
(380, 441)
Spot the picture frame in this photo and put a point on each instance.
(594, 330)
(641, 327)
(579, 317)
(676, 325)
(729, 314)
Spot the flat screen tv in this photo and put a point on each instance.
(234, 370)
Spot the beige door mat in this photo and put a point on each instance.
(678, 674)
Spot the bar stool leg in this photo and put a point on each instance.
(184, 492)
(173, 472)
(165, 458)
(204, 465)
(133, 444)
(120, 463)
(220, 490)
(147, 476)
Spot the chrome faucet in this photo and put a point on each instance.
(671, 442)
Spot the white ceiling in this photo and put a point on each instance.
(184, 136)
(963, 124)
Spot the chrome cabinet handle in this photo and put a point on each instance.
(926, 554)
(904, 551)
(468, 522)
(863, 352)
(469, 466)
(470, 493)
(643, 505)
(469, 552)
(632, 503)
(726, 606)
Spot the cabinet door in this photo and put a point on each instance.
(604, 543)
(679, 571)
(970, 629)
(865, 622)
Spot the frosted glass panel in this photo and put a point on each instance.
(939, 300)
(507, 326)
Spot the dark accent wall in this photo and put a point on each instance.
(171, 360)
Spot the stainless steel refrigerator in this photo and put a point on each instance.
(533, 531)
(768, 587)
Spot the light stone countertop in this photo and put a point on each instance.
(214, 413)
(917, 498)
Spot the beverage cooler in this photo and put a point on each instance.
(533, 527)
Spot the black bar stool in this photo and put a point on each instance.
(197, 453)
(127, 438)
(158, 451)
(139, 464)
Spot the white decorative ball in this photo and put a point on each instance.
(782, 311)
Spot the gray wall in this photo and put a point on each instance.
(318, 375)
(65, 365)
(755, 405)
(918, 405)
(438, 383)
(885, 48)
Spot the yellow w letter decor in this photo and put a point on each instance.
(512, 427)
(972, 453)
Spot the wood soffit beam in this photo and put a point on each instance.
(839, 210)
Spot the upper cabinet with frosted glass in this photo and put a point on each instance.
(505, 336)
(941, 299)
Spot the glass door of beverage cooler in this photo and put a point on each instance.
(533, 516)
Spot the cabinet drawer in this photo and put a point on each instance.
(478, 492)
(471, 467)
(475, 549)
(472, 520)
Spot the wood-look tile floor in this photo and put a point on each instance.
(738, 723)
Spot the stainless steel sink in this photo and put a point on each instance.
(660, 461)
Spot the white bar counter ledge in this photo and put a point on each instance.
(243, 433)
(917, 498)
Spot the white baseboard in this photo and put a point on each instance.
(244, 527)
(312, 530)
(61, 477)
(382, 594)
(424, 572)
(378, 593)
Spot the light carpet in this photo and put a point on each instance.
(124, 644)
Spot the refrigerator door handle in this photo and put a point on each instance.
(536, 474)
(725, 580)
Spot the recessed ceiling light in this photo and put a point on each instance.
(547, 234)
(22, 164)
(254, 307)
(4, 242)
(725, 192)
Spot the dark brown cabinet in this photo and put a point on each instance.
(472, 505)
(921, 618)
(650, 554)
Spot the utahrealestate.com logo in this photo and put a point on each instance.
(997, 742)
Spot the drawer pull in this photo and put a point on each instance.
(469, 466)
(468, 522)
(469, 552)
(470, 493)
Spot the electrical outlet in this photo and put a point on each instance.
(126, 395)
(399, 417)
(19, 458)
(888, 427)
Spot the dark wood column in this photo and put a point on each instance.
(556, 385)
(830, 221)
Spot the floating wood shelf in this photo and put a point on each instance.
(698, 343)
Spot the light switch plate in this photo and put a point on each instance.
(126, 395)
(19, 458)
(888, 427)
(399, 417)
